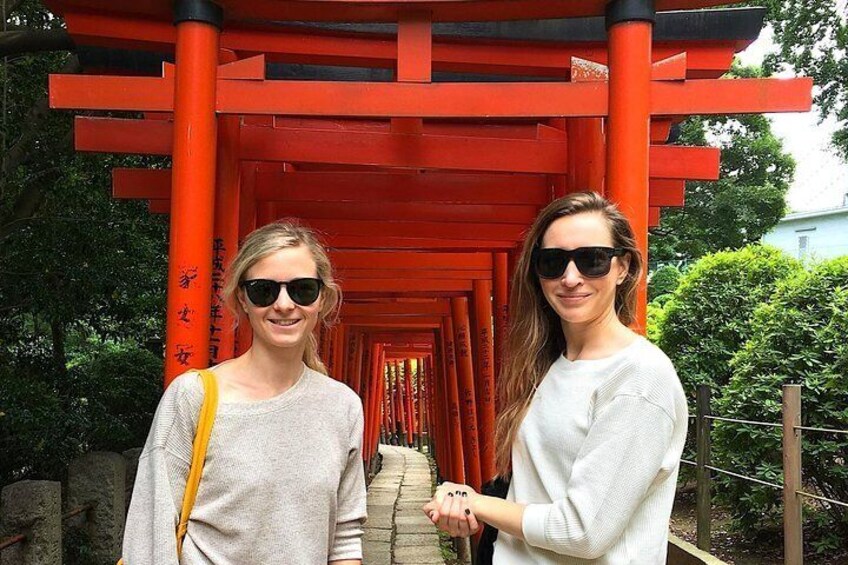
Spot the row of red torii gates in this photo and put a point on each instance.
(422, 181)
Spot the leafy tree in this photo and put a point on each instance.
(797, 337)
(812, 38)
(80, 273)
(747, 200)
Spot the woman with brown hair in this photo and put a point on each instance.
(282, 480)
(593, 416)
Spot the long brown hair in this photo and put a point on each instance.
(273, 237)
(534, 336)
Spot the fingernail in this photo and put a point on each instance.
(458, 492)
(450, 494)
(468, 512)
(465, 494)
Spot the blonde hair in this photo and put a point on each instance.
(285, 234)
(534, 336)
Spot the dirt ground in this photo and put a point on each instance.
(733, 548)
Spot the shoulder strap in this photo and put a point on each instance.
(198, 455)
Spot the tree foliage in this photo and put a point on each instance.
(707, 318)
(663, 281)
(812, 38)
(745, 203)
(797, 337)
(82, 279)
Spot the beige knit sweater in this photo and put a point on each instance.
(283, 480)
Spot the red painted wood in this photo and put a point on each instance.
(445, 100)
(468, 404)
(192, 202)
(631, 98)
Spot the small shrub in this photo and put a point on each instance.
(656, 312)
(34, 427)
(116, 392)
(798, 337)
(663, 281)
(707, 318)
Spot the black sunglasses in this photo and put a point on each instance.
(264, 292)
(592, 262)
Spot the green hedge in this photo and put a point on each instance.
(797, 337)
(664, 280)
(707, 318)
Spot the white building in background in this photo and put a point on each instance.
(819, 234)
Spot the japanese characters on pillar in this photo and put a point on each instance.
(485, 380)
(216, 313)
(465, 372)
(189, 300)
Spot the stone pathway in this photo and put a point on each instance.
(397, 531)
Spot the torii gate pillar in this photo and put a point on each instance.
(193, 186)
(629, 27)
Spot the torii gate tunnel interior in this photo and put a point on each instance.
(421, 137)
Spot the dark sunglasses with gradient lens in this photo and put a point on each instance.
(592, 262)
(264, 292)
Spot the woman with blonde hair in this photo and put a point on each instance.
(593, 417)
(283, 480)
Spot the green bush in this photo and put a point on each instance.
(116, 393)
(656, 312)
(34, 427)
(707, 318)
(798, 337)
(663, 281)
(106, 402)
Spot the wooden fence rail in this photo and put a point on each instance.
(792, 487)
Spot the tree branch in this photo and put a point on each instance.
(34, 41)
(31, 197)
(10, 6)
(17, 154)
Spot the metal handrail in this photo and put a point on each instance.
(824, 430)
(738, 476)
(76, 511)
(734, 420)
(9, 542)
(20, 538)
(823, 498)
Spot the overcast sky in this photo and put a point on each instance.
(821, 177)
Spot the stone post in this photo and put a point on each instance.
(32, 508)
(98, 478)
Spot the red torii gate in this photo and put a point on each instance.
(423, 188)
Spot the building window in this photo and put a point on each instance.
(803, 243)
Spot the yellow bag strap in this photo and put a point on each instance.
(198, 455)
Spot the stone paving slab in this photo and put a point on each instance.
(397, 532)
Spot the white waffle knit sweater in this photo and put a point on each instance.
(283, 480)
(596, 461)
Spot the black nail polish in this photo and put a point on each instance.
(450, 494)
(458, 492)
(465, 494)
(468, 512)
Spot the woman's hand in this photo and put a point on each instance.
(450, 510)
